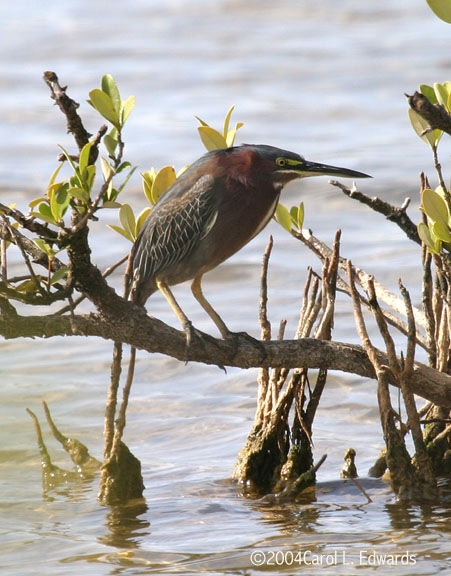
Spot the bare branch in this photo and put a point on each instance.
(396, 214)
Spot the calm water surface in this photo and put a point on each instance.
(320, 77)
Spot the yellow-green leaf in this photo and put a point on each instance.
(211, 138)
(110, 141)
(230, 140)
(442, 8)
(201, 121)
(109, 86)
(104, 105)
(283, 217)
(111, 204)
(428, 91)
(79, 194)
(148, 179)
(441, 231)
(227, 121)
(55, 174)
(37, 201)
(163, 179)
(121, 231)
(421, 127)
(142, 217)
(83, 160)
(127, 219)
(126, 108)
(425, 235)
(435, 206)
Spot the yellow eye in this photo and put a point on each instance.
(281, 162)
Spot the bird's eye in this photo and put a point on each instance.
(281, 162)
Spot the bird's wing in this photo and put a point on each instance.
(172, 230)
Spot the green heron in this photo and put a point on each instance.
(211, 211)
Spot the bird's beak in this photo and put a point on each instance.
(307, 168)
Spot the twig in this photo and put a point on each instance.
(68, 107)
(396, 214)
(18, 242)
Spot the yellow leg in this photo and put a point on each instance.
(199, 296)
(183, 318)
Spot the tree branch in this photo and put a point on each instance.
(396, 214)
(434, 114)
(131, 325)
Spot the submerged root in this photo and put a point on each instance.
(121, 478)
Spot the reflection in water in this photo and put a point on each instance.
(125, 527)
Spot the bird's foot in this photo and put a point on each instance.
(189, 330)
(190, 333)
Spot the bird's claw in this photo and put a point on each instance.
(190, 332)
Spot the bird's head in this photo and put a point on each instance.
(283, 166)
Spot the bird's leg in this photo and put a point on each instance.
(196, 289)
(225, 332)
(184, 320)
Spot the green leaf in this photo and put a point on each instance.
(142, 217)
(59, 275)
(42, 245)
(428, 91)
(297, 215)
(111, 204)
(109, 86)
(126, 108)
(76, 175)
(442, 8)
(55, 174)
(104, 105)
(163, 179)
(421, 127)
(46, 213)
(78, 193)
(83, 160)
(121, 231)
(283, 217)
(211, 138)
(123, 166)
(59, 200)
(227, 121)
(88, 177)
(435, 206)
(110, 141)
(28, 286)
(127, 219)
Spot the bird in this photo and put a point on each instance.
(218, 205)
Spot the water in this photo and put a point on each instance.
(323, 78)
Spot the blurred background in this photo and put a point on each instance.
(323, 78)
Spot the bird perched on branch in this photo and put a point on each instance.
(210, 212)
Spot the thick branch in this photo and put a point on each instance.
(134, 327)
